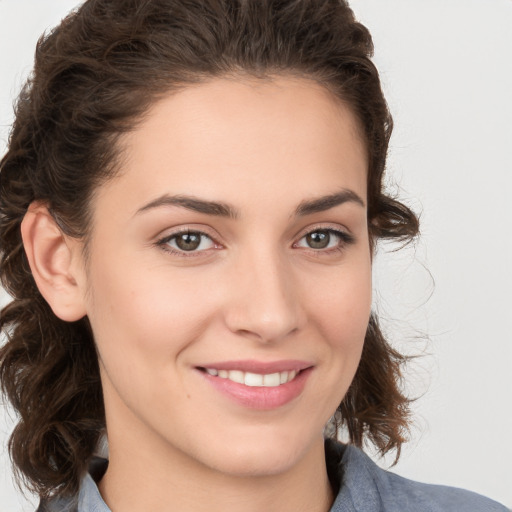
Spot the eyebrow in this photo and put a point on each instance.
(225, 210)
(327, 202)
(194, 204)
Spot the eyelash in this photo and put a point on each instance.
(345, 239)
(163, 243)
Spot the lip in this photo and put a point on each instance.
(255, 397)
(262, 367)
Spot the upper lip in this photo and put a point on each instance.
(262, 367)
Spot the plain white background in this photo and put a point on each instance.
(446, 67)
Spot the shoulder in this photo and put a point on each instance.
(366, 487)
(88, 498)
(58, 505)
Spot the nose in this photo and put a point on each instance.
(265, 304)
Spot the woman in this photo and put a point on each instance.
(190, 202)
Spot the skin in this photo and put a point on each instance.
(253, 290)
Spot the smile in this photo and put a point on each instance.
(262, 385)
(269, 380)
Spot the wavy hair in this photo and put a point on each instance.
(95, 76)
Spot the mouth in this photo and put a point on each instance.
(257, 384)
(266, 380)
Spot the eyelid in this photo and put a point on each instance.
(344, 234)
(346, 238)
(163, 240)
(337, 228)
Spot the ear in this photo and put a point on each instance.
(53, 260)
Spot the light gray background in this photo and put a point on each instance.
(446, 67)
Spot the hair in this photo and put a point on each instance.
(95, 77)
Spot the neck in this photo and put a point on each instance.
(146, 477)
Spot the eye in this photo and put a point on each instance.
(324, 239)
(187, 241)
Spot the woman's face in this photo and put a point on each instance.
(229, 276)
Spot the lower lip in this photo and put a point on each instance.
(260, 397)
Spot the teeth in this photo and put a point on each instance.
(236, 376)
(253, 379)
(269, 380)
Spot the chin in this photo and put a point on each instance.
(257, 457)
(256, 464)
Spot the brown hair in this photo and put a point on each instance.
(95, 76)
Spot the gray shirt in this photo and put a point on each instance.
(360, 486)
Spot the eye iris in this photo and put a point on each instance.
(188, 241)
(318, 239)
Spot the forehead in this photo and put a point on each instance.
(241, 137)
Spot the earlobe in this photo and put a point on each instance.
(51, 259)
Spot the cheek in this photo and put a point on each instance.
(341, 315)
(142, 326)
(342, 312)
(143, 313)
